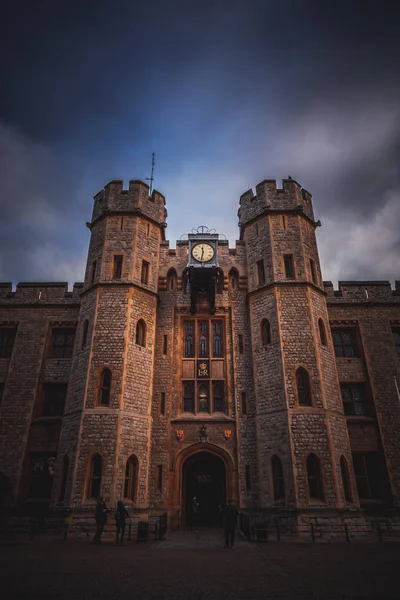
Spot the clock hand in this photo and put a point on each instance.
(202, 252)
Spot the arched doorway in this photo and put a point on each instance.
(204, 476)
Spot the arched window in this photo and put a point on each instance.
(171, 279)
(105, 388)
(217, 339)
(189, 339)
(185, 282)
(277, 478)
(85, 332)
(265, 332)
(303, 387)
(314, 478)
(131, 470)
(233, 279)
(64, 478)
(96, 471)
(344, 469)
(219, 284)
(140, 337)
(322, 332)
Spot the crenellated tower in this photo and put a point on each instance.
(106, 427)
(301, 428)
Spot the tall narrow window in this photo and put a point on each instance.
(217, 339)
(122, 224)
(314, 478)
(130, 478)
(218, 396)
(189, 339)
(248, 478)
(277, 478)
(188, 396)
(289, 268)
(7, 338)
(85, 332)
(396, 339)
(105, 388)
(244, 403)
(93, 271)
(204, 400)
(140, 337)
(159, 478)
(322, 332)
(96, 469)
(162, 404)
(265, 332)
(219, 285)
(203, 339)
(241, 346)
(148, 229)
(303, 387)
(233, 279)
(144, 278)
(64, 478)
(62, 342)
(117, 271)
(260, 272)
(171, 279)
(344, 469)
(165, 343)
(283, 221)
(313, 271)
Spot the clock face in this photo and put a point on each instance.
(203, 252)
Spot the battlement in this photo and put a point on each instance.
(114, 198)
(40, 293)
(269, 197)
(362, 291)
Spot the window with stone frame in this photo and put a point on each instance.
(217, 343)
(344, 470)
(396, 339)
(314, 478)
(63, 339)
(117, 269)
(354, 398)
(130, 479)
(313, 271)
(265, 332)
(233, 279)
(144, 277)
(289, 266)
(162, 404)
(95, 477)
(105, 388)
(345, 342)
(172, 279)
(54, 399)
(188, 396)
(140, 334)
(260, 272)
(303, 387)
(42, 475)
(204, 397)
(244, 403)
(277, 479)
(189, 337)
(7, 339)
(322, 332)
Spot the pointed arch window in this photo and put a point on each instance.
(344, 469)
(203, 339)
(96, 473)
(64, 478)
(314, 478)
(265, 332)
(189, 339)
(105, 388)
(233, 279)
(172, 280)
(277, 478)
(322, 332)
(140, 337)
(85, 332)
(130, 479)
(303, 387)
(217, 339)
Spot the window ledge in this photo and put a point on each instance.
(359, 419)
(315, 503)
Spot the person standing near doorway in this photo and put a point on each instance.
(230, 521)
(120, 515)
(100, 516)
(195, 514)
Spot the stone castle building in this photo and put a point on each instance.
(208, 370)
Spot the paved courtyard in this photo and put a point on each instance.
(194, 566)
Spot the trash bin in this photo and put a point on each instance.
(143, 531)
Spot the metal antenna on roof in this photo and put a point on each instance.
(151, 179)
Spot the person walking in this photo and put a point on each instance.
(195, 514)
(120, 515)
(230, 521)
(100, 516)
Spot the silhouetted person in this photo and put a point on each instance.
(120, 515)
(194, 513)
(101, 518)
(230, 520)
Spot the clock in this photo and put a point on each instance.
(203, 252)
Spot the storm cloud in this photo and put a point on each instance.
(226, 93)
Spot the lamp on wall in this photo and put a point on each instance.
(203, 434)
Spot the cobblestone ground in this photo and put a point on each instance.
(194, 566)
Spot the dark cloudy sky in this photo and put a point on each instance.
(226, 92)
